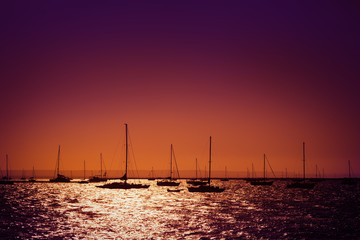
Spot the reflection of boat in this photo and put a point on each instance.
(262, 182)
(59, 178)
(169, 181)
(32, 178)
(101, 177)
(208, 187)
(125, 184)
(196, 181)
(6, 180)
(303, 183)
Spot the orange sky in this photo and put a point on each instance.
(257, 79)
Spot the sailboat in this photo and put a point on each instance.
(208, 187)
(59, 178)
(151, 178)
(6, 180)
(23, 175)
(32, 178)
(349, 180)
(169, 181)
(196, 181)
(84, 180)
(302, 184)
(101, 177)
(263, 182)
(225, 178)
(125, 184)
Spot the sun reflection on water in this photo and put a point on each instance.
(48, 210)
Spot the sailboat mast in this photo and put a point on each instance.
(7, 167)
(209, 161)
(196, 168)
(264, 165)
(126, 151)
(84, 169)
(171, 153)
(349, 169)
(100, 164)
(58, 162)
(304, 159)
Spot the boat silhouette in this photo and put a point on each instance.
(151, 174)
(101, 177)
(125, 184)
(302, 184)
(207, 187)
(169, 181)
(59, 177)
(32, 178)
(84, 181)
(225, 179)
(349, 180)
(262, 182)
(6, 180)
(196, 181)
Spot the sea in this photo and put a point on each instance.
(40, 210)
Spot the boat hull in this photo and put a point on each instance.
(196, 182)
(168, 183)
(205, 188)
(122, 185)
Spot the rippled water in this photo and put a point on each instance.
(74, 211)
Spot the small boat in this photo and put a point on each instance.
(59, 177)
(225, 179)
(302, 184)
(196, 181)
(262, 182)
(151, 178)
(84, 180)
(32, 178)
(6, 180)
(208, 187)
(101, 177)
(349, 180)
(169, 181)
(125, 184)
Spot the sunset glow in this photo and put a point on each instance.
(258, 77)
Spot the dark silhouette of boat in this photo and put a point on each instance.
(101, 177)
(349, 180)
(125, 184)
(302, 184)
(170, 181)
(59, 177)
(196, 181)
(32, 178)
(151, 178)
(6, 180)
(262, 182)
(84, 181)
(208, 187)
(225, 179)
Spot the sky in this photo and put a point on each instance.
(258, 76)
